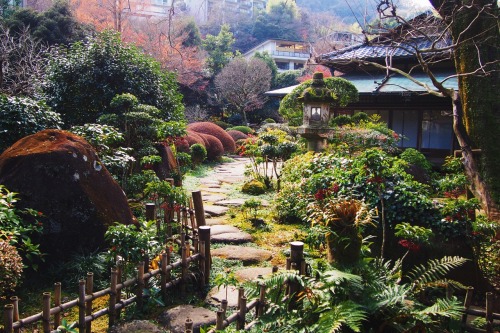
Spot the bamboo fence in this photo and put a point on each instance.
(487, 314)
(296, 262)
(199, 251)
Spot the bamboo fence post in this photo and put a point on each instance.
(219, 324)
(112, 297)
(89, 290)
(185, 220)
(81, 307)
(57, 302)
(262, 300)
(467, 303)
(140, 286)
(189, 324)
(241, 293)
(201, 263)
(223, 307)
(199, 211)
(8, 317)
(146, 270)
(297, 255)
(15, 317)
(204, 233)
(167, 220)
(240, 324)
(489, 312)
(119, 275)
(46, 312)
(163, 267)
(151, 216)
(184, 266)
(275, 269)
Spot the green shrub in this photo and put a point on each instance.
(340, 121)
(123, 103)
(222, 124)
(360, 117)
(11, 268)
(214, 147)
(254, 187)
(22, 116)
(245, 129)
(198, 153)
(269, 121)
(415, 157)
(137, 182)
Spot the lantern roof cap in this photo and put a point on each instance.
(318, 92)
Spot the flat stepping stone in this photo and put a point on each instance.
(211, 181)
(238, 202)
(213, 221)
(233, 179)
(214, 210)
(213, 189)
(212, 197)
(247, 255)
(223, 229)
(137, 326)
(232, 238)
(252, 273)
(175, 319)
(216, 295)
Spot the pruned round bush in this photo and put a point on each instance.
(237, 135)
(245, 129)
(269, 121)
(193, 138)
(182, 145)
(214, 147)
(254, 187)
(222, 124)
(11, 267)
(216, 131)
(198, 153)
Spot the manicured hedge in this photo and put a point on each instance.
(216, 131)
(215, 149)
(237, 135)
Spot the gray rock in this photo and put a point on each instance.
(136, 326)
(232, 238)
(174, 319)
(216, 295)
(212, 197)
(223, 229)
(252, 273)
(247, 255)
(213, 210)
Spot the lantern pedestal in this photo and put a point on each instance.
(316, 137)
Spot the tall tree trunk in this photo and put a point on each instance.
(474, 29)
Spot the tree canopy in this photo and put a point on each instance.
(219, 49)
(83, 78)
(242, 83)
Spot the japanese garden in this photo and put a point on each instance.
(249, 166)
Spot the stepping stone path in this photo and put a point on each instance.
(247, 255)
(216, 202)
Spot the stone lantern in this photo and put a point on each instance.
(317, 100)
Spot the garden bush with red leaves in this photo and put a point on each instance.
(216, 131)
(215, 149)
(237, 135)
(182, 145)
(194, 137)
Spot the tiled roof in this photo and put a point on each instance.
(366, 51)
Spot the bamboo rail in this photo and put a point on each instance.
(199, 252)
(488, 313)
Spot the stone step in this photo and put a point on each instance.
(174, 319)
(247, 255)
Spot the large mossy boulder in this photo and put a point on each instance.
(59, 174)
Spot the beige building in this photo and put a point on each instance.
(288, 55)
